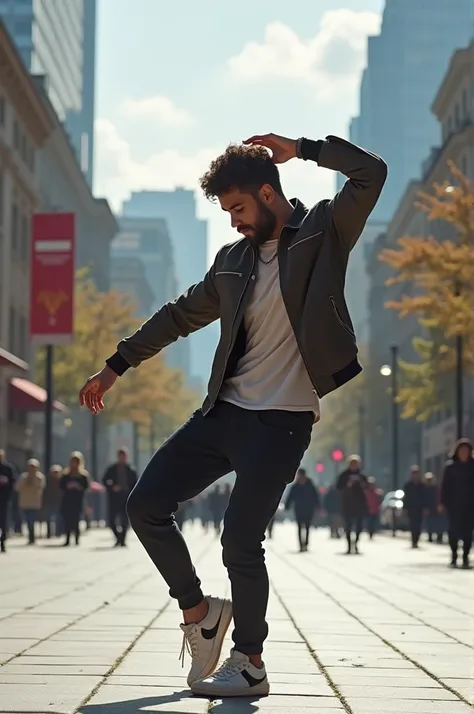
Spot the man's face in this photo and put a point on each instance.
(251, 214)
(122, 457)
(354, 466)
(415, 476)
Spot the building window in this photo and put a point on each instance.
(457, 119)
(16, 135)
(1, 199)
(22, 337)
(2, 111)
(12, 330)
(14, 228)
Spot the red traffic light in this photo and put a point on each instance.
(319, 468)
(337, 455)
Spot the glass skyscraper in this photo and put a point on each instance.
(56, 39)
(405, 66)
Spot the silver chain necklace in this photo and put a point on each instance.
(267, 262)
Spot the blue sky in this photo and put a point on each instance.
(175, 86)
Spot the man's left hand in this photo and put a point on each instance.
(282, 148)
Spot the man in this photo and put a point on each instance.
(119, 480)
(286, 340)
(457, 499)
(352, 485)
(414, 504)
(434, 519)
(304, 498)
(7, 480)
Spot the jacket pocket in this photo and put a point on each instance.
(229, 272)
(339, 318)
(303, 240)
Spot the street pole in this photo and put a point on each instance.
(136, 444)
(459, 379)
(48, 409)
(93, 464)
(395, 436)
(362, 431)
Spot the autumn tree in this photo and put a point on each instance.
(439, 276)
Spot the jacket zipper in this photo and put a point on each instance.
(294, 331)
(313, 235)
(232, 328)
(229, 272)
(334, 307)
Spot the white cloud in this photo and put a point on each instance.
(158, 108)
(118, 173)
(330, 61)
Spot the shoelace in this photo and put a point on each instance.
(228, 668)
(190, 642)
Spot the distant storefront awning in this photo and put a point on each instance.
(7, 359)
(25, 396)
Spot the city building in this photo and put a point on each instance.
(189, 238)
(148, 240)
(405, 65)
(25, 126)
(56, 40)
(453, 110)
(128, 275)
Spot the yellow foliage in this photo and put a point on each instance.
(439, 279)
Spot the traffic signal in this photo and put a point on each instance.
(319, 468)
(337, 455)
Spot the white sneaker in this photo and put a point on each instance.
(204, 640)
(236, 677)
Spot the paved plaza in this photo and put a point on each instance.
(91, 630)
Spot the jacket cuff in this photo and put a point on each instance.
(310, 149)
(117, 364)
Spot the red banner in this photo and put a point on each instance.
(52, 278)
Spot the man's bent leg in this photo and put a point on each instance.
(183, 467)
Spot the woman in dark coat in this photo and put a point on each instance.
(304, 497)
(457, 499)
(352, 484)
(74, 484)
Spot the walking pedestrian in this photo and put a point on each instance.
(332, 506)
(374, 498)
(217, 506)
(434, 519)
(52, 496)
(286, 340)
(352, 485)
(414, 504)
(119, 480)
(457, 499)
(30, 489)
(304, 498)
(74, 484)
(7, 482)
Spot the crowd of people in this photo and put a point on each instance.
(58, 501)
(352, 504)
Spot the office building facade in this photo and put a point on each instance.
(56, 40)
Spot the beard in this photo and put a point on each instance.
(264, 227)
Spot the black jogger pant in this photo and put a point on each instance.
(264, 448)
(304, 526)
(415, 520)
(118, 519)
(460, 530)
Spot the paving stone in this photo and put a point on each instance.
(386, 691)
(116, 699)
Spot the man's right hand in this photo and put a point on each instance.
(94, 389)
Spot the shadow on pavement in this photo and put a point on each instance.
(137, 706)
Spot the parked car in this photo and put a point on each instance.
(392, 508)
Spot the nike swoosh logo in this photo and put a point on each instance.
(252, 681)
(212, 633)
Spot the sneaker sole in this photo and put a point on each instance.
(213, 661)
(204, 690)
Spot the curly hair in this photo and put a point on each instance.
(246, 168)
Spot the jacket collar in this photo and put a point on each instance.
(299, 214)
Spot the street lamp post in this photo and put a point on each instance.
(362, 431)
(391, 370)
(459, 379)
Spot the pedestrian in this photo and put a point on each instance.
(304, 498)
(374, 498)
(30, 489)
(332, 506)
(7, 482)
(414, 504)
(352, 484)
(286, 340)
(119, 480)
(74, 484)
(51, 511)
(457, 499)
(217, 506)
(434, 519)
